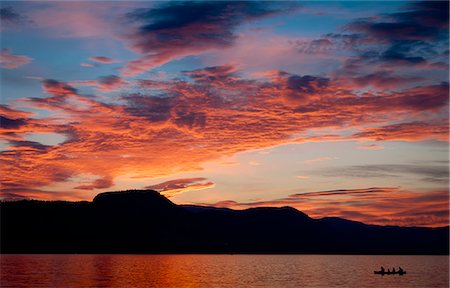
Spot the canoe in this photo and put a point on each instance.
(389, 273)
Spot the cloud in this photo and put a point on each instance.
(70, 19)
(431, 173)
(301, 177)
(9, 17)
(168, 32)
(405, 131)
(174, 187)
(13, 113)
(370, 147)
(384, 79)
(379, 52)
(8, 123)
(425, 20)
(19, 193)
(28, 145)
(110, 83)
(103, 60)
(380, 205)
(315, 160)
(97, 184)
(58, 88)
(175, 125)
(413, 36)
(10, 61)
(213, 74)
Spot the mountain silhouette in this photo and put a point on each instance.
(143, 221)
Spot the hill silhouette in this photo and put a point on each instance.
(143, 221)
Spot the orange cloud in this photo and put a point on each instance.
(381, 206)
(174, 126)
(178, 186)
(301, 177)
(97, 184)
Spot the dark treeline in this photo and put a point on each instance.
(143, 221)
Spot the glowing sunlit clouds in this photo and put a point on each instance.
(174, 187)
(380, 206)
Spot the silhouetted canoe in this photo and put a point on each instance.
(389, 273)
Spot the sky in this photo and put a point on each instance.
(339, 109)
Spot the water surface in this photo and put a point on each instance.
(220, 271)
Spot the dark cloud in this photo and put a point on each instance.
(215, 19)
(152, 108)
(212, 74)
(426, 20)
(102, 59)
(58, 88)
(180, 28)
(190, 119)
(109, 80)
(29, 145)
(322, 45)
(426, 97)
(7, 123)
(384, 79)
(412, 36)
(10, 18)
(362, 192)
(415, 36)
(306, 84)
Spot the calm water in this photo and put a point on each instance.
(220, 271)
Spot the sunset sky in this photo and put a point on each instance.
(334, 108)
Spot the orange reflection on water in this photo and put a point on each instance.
(220, 271)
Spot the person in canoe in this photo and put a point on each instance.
(382, 269)
(400, 270)
(393, 270)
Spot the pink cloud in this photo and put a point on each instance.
(103, 60)
(10, 61)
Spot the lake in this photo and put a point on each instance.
(221, 271)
